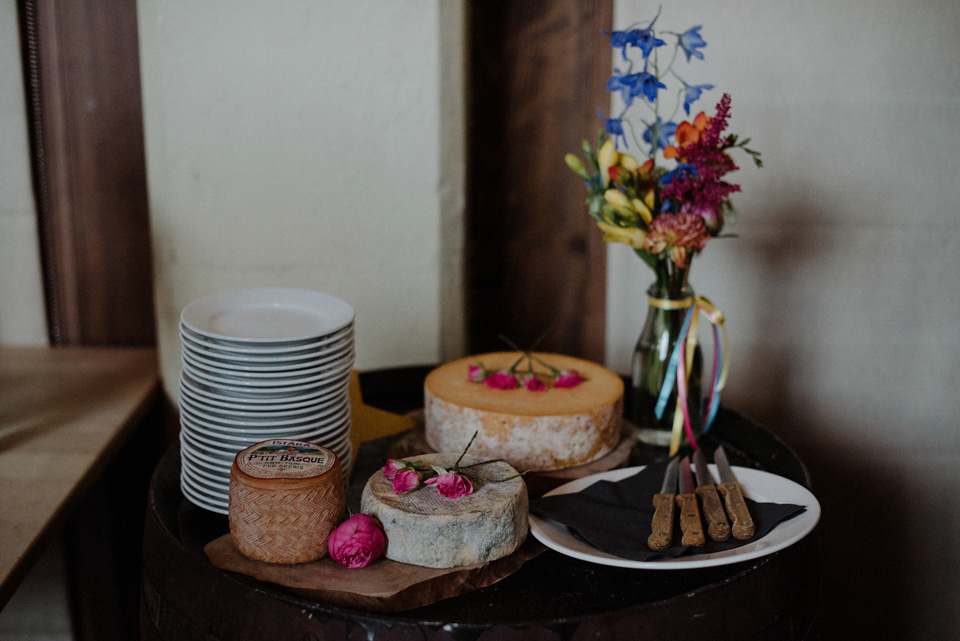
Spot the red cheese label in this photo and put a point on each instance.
(280, 458)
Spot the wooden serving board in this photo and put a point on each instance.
(414, 441)
(382, 586)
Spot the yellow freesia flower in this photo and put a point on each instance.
(616, 198)
(641, 208)
(629, 162)
(607, 157)
(632, 236)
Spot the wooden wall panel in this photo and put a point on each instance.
(535, 260)
(83, 76)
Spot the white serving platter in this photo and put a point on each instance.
(758, 485)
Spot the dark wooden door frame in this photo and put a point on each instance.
(86, 131)
(535, 260)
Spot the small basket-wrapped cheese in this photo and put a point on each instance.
(285, 499)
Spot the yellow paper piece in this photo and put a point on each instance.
(369, 423)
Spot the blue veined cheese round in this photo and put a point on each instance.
(425, 528)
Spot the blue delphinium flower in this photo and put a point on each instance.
(648, 84)
(614, 127)
(692, 94)
(625, 84)
(621, 40)
(690, 42)
(645, 40)
(665, 131)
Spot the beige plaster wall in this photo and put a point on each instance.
(842, 291)
(309, 144)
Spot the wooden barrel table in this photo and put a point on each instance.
(552, 596)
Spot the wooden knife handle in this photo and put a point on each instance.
(742, 522)
(717, 527)
(690, 520)
(662, 523)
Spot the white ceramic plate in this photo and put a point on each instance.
(264, 420)
(221, 475)
(275, 395)
(240, 403)
(267, 315)
(760, 486)
(201, 499)
(337, 370)
(265, 351)
(205, 360)
(197, 459)
(335, 427)
(248, 373)
(243, 418)
(216, 452)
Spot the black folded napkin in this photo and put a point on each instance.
(615, 517)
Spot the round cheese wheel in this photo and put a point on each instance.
(285, 498)
(425, 528)
(532, 430)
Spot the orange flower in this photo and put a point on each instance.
(687, 134)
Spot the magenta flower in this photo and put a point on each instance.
(475, 373)
(357, 541)
(501, 380)
(712, 216)
(392, 467)
(568, 378)
(405, 480)
(533, 383)
(451, 485)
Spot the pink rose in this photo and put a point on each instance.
(357, 541)
(451, 485)
(475, 373)
(501, 380)
(568, 378)
(405, 480)
(534, 384)
(392, 467)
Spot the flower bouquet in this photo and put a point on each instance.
(666, 206)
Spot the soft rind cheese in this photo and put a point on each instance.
(285, 498)
(425, 528)
(533, 431)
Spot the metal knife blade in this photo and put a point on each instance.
(742, 523)
(662, 523)
(718, 528)
(690, 523)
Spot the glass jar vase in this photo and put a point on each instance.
(651, 366)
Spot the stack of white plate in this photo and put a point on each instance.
(260, 364)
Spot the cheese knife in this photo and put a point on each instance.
(717, 527)
(742, 523)
(690, 523)
(662, 524)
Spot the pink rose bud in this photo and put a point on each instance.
(501, 380)
(451, 485)
(534, 384)
(406, 480)
(475, 373)
(392, 467)
(357, 541)
(568, 378)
